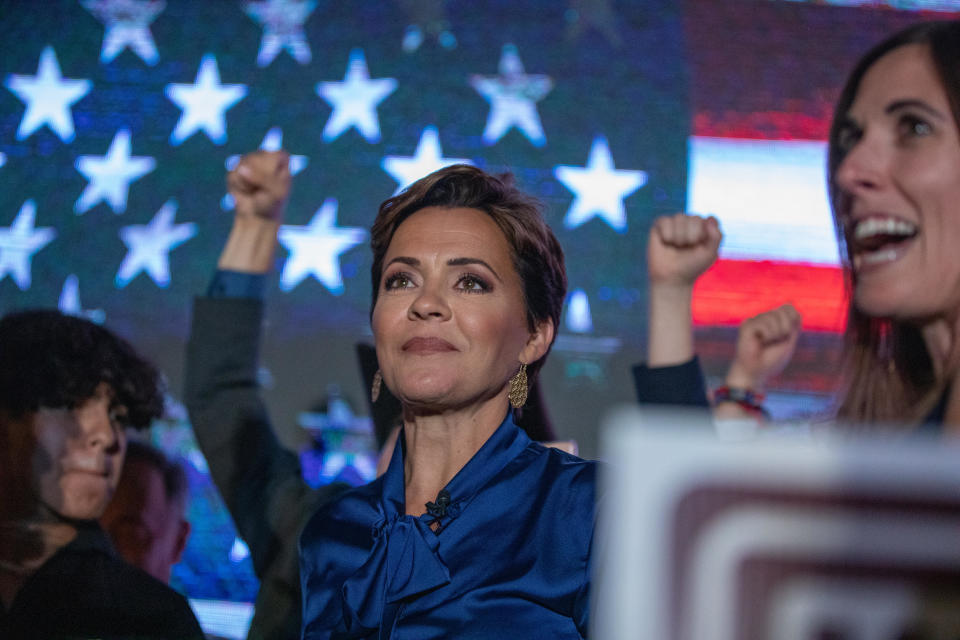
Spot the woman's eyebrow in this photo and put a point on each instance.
(898, 105)
(412, 262)
(459, 262)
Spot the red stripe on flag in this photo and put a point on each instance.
(806, 122)
(734, 290)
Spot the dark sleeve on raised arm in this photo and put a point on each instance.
(235, 284)
(681, 384)
(231, 425)
(259, 479)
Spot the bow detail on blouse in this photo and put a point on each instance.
(402, 564)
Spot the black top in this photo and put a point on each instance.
(681, 384)
(86, 591)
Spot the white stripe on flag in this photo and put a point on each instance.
(769, 195)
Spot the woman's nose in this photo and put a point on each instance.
(429, 303)
(862, 168)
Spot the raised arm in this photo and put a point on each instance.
(229, 419)
(765, 345)
(259, 479)
(680, 249)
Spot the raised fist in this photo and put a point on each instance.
(765, 344)
(681, 247)
(260, 185)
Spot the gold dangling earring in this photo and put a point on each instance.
(518, 387)
(375, 387)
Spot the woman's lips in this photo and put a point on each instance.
(91, 468)
(865, 262)
(427, 345)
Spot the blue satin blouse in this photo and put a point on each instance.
(510, 557)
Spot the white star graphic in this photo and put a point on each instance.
(148, 246)
(599, 188)
(110, 175)
(425, 160)
(48, 96)
(19, 242)
(513, 96)
(3, 158)
(273, 141)
(355, 100)
(69, 302)
(315, 249)
(127, 24)
(282, 22)
(204, 103)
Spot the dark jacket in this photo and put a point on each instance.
(86, 591)
(259, 479)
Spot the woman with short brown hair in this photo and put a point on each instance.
(474, 530)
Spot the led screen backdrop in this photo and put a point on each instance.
(119, 117)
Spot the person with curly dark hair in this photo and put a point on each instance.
(68, 390)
